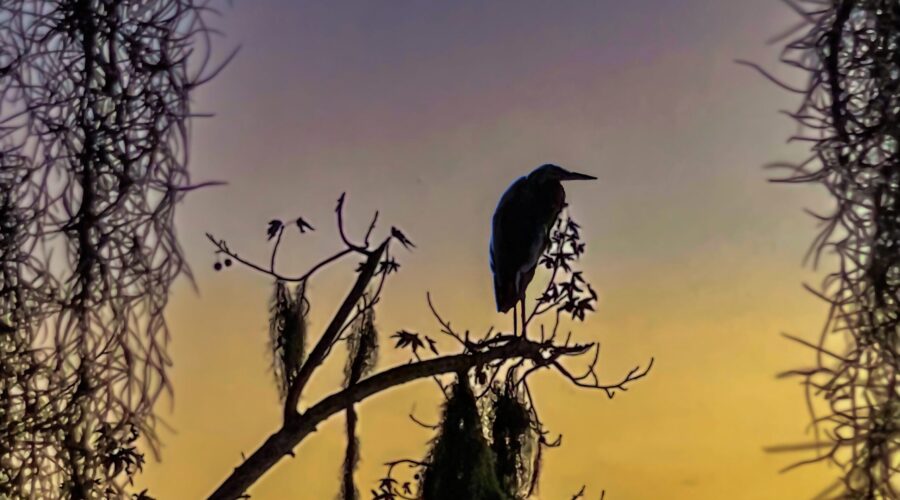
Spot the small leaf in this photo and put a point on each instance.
(304, 226)
(275, 225)
(399, 236)
(432, 345)
(408, 339)
(388, 266)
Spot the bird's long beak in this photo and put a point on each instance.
(575, 176)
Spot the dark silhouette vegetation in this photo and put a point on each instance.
(849, 115)
(94, 119)
(461, 463)
(490, 440)
(94, 112)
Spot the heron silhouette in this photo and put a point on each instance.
(521, 229)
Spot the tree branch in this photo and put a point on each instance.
(323, 346)
(295, 429)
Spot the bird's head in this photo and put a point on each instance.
(550, 172)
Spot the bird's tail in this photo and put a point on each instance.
(505, 293)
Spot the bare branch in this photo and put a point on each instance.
(297, 428)
(323, 346)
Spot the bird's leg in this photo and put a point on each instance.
(522, 307)
(515, 319)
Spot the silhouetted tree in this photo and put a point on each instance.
(94, 109)
(850, 115)
(491, 394)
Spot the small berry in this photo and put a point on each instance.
(227, 262)
(217, 266)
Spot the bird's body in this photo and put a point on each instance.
(521, 230)
(521, 233)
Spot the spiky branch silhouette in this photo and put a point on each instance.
(849, 115)
(478, 363)
(93, 160)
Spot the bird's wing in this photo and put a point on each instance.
(518, 240)
(503, 231)
(520, 230)
(507, 244)
(545, 210)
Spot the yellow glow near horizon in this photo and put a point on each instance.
(427, 111)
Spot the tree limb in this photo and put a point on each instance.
(323, 346)
(295, 429)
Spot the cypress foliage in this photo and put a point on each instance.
(461, 462)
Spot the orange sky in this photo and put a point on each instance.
(426, 111)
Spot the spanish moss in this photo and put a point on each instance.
(95, 97)
(851, 52)
(287, 333)
(363, 354)
(461, 463)
(512, 441)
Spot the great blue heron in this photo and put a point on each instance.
(521, 229)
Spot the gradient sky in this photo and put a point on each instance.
(427, 111)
